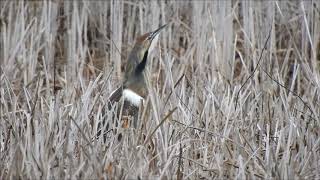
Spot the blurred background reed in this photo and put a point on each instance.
(61, 59)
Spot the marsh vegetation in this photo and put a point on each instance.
(223, 111)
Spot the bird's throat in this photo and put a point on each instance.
(142, 65)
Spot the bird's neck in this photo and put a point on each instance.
(142, 65)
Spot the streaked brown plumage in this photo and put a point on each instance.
(133, 88)
(134, 78)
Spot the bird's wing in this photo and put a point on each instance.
(116, 95)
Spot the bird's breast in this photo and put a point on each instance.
(132, 97)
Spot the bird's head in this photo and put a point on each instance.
(148, 41)
(139, 54)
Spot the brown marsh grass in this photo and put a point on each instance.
(215, 108)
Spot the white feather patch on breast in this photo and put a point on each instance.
(132, 97)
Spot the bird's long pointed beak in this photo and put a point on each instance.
(156, 32)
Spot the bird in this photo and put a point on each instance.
(133, 89)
